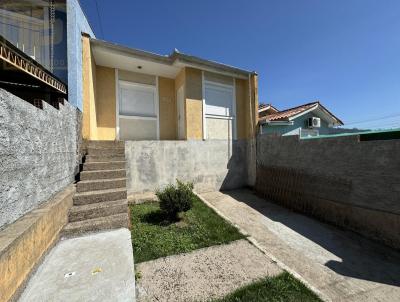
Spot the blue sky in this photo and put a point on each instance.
(345, 53)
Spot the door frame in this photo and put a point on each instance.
(180, 105)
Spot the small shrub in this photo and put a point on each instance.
(176, 199)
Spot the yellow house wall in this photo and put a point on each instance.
(105, 103)
(99, 101)
(242, 107)
(89, 83)
(194, 104)
(168, 118)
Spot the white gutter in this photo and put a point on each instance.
(278, 123)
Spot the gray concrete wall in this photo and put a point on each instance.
(342, 180)
(39, 153)
(210, 165)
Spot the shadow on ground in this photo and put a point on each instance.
(361, 258)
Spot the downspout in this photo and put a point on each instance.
(251, 156)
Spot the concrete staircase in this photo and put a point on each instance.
(100, 201)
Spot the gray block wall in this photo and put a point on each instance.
(351, 183)
(210, 165)
(39, 153)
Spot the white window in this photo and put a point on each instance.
(137, 111)
(218, 99)
(220, 110)
(137, 100)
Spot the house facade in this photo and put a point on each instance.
(130, 94)
(310, 119)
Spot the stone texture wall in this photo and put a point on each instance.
(342, 180)
(39, 153)
(210, 165)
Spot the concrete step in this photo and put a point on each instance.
(102, 174)
(112, 165)
(99, 196)
(104, 158)
(106, 144)
(96, 224)
(106, 151)
(96, 210)
(100, 184)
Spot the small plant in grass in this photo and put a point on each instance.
(175, 199)
(138, 275)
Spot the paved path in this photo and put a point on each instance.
(203, 274)
(340, 265)
(96, 267)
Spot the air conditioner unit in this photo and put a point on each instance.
(314, 122)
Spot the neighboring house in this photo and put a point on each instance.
(266, 109)
(310, 119)
(130, 94)
(49, 32)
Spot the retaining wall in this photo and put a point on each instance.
(211, 165)
(24, 242)
(351, 183)
(39, 153)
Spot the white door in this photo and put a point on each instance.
(181, 113)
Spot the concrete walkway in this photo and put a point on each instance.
(339, 265)
(96, 267)
(204, 274)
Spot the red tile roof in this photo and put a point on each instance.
(285, 115)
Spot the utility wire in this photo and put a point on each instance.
(100, 23)
(374, 119)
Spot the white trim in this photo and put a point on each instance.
(180, 105)
(138, 117)
(234, 124)
(279, 123)
(268, 107)
(117, 103)
(135, 84)
(225, 86)
(203, 87)
(221, 117)
(304, 112)
(157, 109)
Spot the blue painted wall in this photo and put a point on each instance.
(76, 24)
(294, 129)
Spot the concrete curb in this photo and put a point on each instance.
(254, 242)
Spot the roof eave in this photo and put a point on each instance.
(172, 59)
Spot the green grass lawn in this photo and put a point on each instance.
(283, 287)
(154, 237)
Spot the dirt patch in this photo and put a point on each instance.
(203, 274)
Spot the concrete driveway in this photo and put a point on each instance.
(339, 265)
